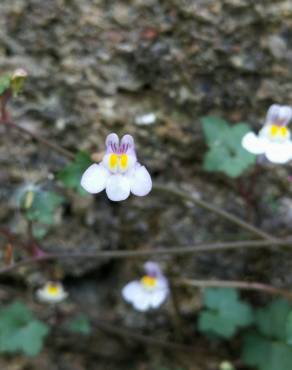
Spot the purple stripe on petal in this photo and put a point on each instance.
(112, 143)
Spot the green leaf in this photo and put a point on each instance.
(4, 83)
(225, 151)
(266, 354)
(80, 324)
(289, 328)
(225, 313)
(271, 320)
(215, 129)
(20, 331)
(71, 174)
(43, 206)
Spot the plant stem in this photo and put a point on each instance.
(25, 132)
(218, 211)
(269, 289)
(199, 248)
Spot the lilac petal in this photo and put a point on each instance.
(285, 115)
(117, 187)
(112, 143)
(94, 178)
(272, 114)
(127, 145)
(152, 269)
(279, 115)
(140, 180)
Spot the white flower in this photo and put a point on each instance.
(119, 173)
(274, 139)
(148, 292)
(51, 292)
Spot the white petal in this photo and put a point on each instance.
(140, 180)
(118, 187)
(253, 143)
(94, 178)
(134, 293)
(131, 290)
(44, 296)
(158, 297)
(143, 304)
(279, 152)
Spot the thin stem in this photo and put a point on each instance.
(25, 132)
(218, 211)
(199, 248)
(269, 289)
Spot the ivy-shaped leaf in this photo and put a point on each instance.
(71, 174)
(20, 331)
(271, 320)
(224, 312)
(266, 354)
(42, 206)
(269, 348)
(225, 151)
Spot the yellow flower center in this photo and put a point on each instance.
(53, 289)
(124, 161)
(121, 160)
(278, 131)
(149, 282)
(113, 161)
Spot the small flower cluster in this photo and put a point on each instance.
(147, 293)
(274, 139)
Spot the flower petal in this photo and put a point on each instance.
(158, 297)
(94, 178)
(134, 293)
(272, 114)
(118, 187)
(131, 290)
(112, 143)
(43, 296)
(152, 269)
(253, 143)
(140, 180)
(279, 152)
(128, 145)
(279, 114)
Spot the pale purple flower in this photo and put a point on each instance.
(274, 139)
(150, 291)
(119, 172)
